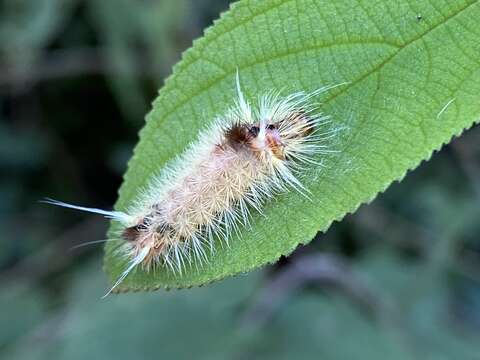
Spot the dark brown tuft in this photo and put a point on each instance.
(131, 233)
(237, 135)
(305, 120)
(303, 117)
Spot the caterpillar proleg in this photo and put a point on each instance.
(245, 157)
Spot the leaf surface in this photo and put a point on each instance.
(413, 73)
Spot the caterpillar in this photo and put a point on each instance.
(244, 158)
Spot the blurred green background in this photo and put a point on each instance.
(399, 279)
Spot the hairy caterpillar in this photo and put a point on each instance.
(244, 158)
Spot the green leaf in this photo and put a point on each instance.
(413, 74)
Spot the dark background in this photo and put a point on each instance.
(399, 279)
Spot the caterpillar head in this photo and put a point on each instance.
(267, 137)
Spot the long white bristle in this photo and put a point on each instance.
(115, 215)
(135, 261)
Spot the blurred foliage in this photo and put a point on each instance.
(415, 249)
